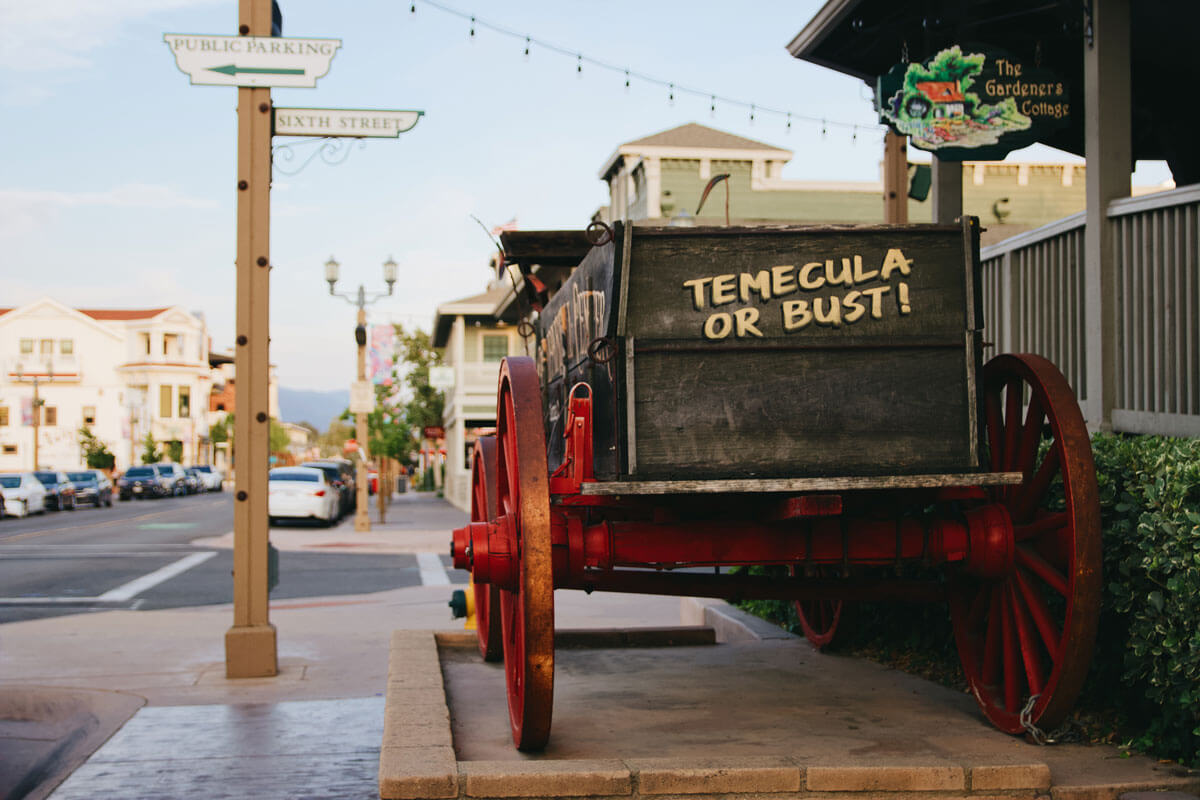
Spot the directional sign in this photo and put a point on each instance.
(362, 397)
(252, 60)
(357, 122)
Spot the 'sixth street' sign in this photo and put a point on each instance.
(979, 105)
(256, 61)
(356, 122)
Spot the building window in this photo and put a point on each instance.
(145, 342)
(495, 346)
(51, 415)
(89, 415)
(185, 401)
(171, 344)
(66, 347)
(26, 347)
(164, 401)
(3, 416)
(47, 347)
(10, 449)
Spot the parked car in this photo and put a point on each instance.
(193, 481)
(172, 478)
(23, 494)
(301, 493)
(213, 478)
(337, 478)
(140, 482)
(92, 486)
(60, 492)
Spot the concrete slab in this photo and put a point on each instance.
(769, 717)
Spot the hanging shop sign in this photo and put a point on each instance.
(356, 122)
(255, 61)
(976, 103)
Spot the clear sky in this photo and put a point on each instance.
(117, 184)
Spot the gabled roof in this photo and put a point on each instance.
(695, 141)
(123, 313)
(696, 135)
(478, 306)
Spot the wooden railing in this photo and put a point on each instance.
(1158, 312)
(1033, 287)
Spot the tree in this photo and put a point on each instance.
(403, 408)
(279, 440)
(95, 453)
(174, 452)
(333, 440)
(150, 454)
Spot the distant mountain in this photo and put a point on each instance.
(317, 408)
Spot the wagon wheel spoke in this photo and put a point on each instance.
(484, 504)
(819, 618)
(526, 614)
(1030, 632)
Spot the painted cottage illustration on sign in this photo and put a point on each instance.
(946, 98)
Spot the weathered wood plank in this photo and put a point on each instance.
(838, 484)
(800, 413)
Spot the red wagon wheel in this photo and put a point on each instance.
(1025, 639)
(527, 614)
(819, 618)
(483, 508)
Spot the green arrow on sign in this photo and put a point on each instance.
(230, 69)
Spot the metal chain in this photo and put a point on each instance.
(1026, 720)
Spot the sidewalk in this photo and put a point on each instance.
(68, 683)
(665, 717)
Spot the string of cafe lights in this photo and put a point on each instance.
(674, 88)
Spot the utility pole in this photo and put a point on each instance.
(250, 645)
(37, 421)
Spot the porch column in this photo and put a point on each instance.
(947, 191)
(1109, 152)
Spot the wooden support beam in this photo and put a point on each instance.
(250, 646)
(947, 191)
(895, 178)
(1109, 151)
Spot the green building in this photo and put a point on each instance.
(659, 179)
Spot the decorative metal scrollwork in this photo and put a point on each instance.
(333, 151)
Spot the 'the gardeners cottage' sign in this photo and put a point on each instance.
(980, 104)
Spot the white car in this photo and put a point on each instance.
(23, 494)
(301, 493)
(213, 478)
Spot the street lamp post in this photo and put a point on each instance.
(362, 517)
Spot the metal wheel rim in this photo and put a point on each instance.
(1030, 634)
(483, 508)
(527, 615)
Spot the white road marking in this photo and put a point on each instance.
(123, 593)
(432, 571)
(139, 585)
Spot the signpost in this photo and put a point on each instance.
(355, 122)
(252, 60)
(255, 61)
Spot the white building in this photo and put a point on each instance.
(473, 342)
(122, 373)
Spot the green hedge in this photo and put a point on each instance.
(1144, 683)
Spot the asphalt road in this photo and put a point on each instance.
(137, 555)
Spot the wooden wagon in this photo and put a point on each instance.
(813, 397)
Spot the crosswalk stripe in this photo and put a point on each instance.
(432, 571)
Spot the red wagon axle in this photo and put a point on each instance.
(585, 555)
